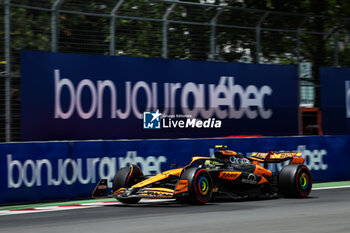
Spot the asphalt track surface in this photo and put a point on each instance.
(324, 211)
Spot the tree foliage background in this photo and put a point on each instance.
(90, 34)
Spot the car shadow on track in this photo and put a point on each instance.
(167, 204)
(174, 207)
(178, 204)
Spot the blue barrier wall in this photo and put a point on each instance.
(75, 96)
(47, 171)
(335, 100)
(30, 172)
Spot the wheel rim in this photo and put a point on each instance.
(304, 181)
(203, 186)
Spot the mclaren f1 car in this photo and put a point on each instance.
(207, 178)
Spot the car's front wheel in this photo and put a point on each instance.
(125, 178)
(200, 185)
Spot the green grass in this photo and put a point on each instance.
(330, 184)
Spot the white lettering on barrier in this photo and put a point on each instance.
(150, 165)
(314, 158)
(225, 100)
(80, 174)
(70, 171)
(347, 98)
(40, 165)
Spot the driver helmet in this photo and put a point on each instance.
(223, 154)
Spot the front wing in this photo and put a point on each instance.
(163, 193)
(101, 191)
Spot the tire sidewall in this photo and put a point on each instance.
(194, 195)
(199, 178)
(300, 192)
(125, 178)
(289, 181)
(120, 179)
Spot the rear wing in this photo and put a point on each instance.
(272, 157)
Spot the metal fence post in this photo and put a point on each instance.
(336, 49)
(112, 27)
(257, 37)
(7, 71)
(165, 30)
(54, 24)
(213, 22)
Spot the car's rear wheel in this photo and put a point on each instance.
(200, 186)
(295, 181)
(125, 178)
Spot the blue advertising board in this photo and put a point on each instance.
(62, 170)
(75, 96)
(33, 172)
(335, 100)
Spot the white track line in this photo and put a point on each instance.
(71, 207)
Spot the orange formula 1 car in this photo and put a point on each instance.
(206, 178)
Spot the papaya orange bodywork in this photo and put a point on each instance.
(194, 159)
(297, 160)
(182, 186)
(157, 192)
(263, 180)
(229, 175)
(158, 177)
(262, 171)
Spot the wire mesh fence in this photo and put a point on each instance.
(163, 28)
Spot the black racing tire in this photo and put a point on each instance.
(295, 181)
(125, 178)
(200, 186)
